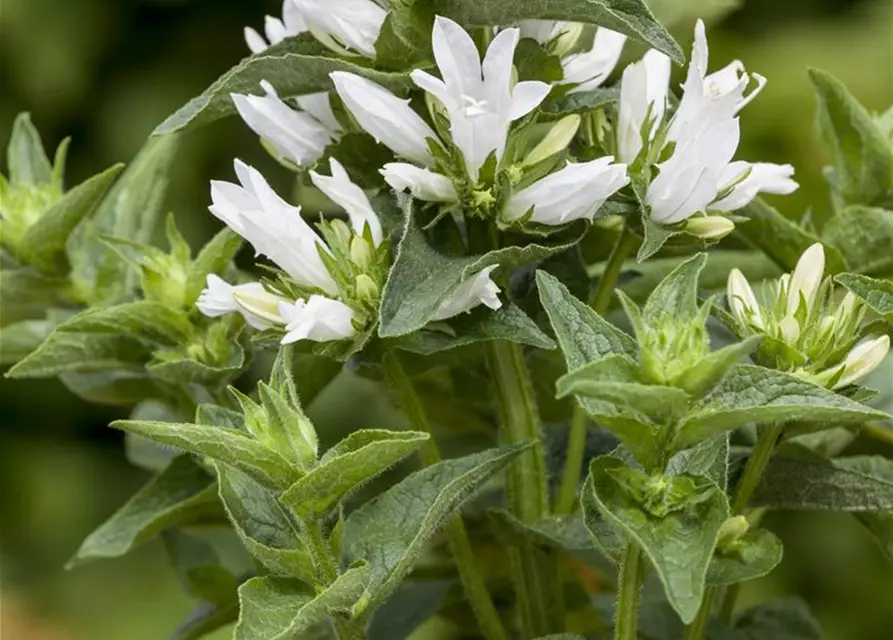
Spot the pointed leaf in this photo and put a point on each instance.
(680, 545)
(182, 493)
(225, 445)
(709, 458)
(785, 620)
(757, 553)
(877, 294)
(214, 258)
(43, 244)
(25, 156)
(81, 353)
(753, 395)
(144, 320)
(191, 371)
(204, 619)
(864, 235)
(421, 503)
(355, 460)
(19, 339)
(677, 294)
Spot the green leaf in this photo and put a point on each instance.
(613, 380)
(82, 353)
(863, 157)
(877, 294)
(277, 609)
(630, 17)
(680, 544)
(182, 493)
(855, 484)
(708, 373)
(533, 62)
(263, 525)
(754, 395)
(581, 102)
(198, 567)
(355, 460)
(677, 294)
(19, 339)
(481, 324)
(785, 620)
(420, 503)
(603, 534)
(422, 278)
(292, 74)
(143, 320)
(214, 258)
(29, 290)
(756, 553)
(204, 619)
(411, 605)
(864, 235)
(405, 37)
(878, 524)
(309, 373)
(583, 335)
(266, 466)
(782, 240)
(130, 210)
(113, 387)
(25, 156)
(44, 243)
(190, 371)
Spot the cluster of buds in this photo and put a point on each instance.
(806, 329)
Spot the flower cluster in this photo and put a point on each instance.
(807, 329)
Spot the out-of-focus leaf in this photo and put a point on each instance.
(82, 353)
(877, 294)
(864, 235)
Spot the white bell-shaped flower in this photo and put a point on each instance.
(296, 136)
(423, 184)
(258, 306)
(276, 30)
(272, 226)
(340, 24)
(342, 191)
(576, 191)
(477, 290)
(590, 69)
(644, 89)
(478, 96)
(760, 177)
(318, 319)
(389, 119)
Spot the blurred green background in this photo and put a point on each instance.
(107, 71)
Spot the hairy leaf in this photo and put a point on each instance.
(144, 320)
(355, 460)
(877, 294)
(65, 352)
(25, 156)
(864, 235)
(420, 503)
(757, 553)
(677, 294)
(19, 339)
(784, 620)
(581, 102)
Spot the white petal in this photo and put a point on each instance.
(477, 290)
(342, 191)
(386, 117)
(497, 74)
(319, 106)
(319, 319)
(354, 23)
(741, 299)
(863, 359)
(254, 40)
(763, 178)
(274, 29)
(457, 57)
(436, 87)
(526, 97)
(217, 299)
(291, 16)
(806, 278)
(590, 69)
(421, 183)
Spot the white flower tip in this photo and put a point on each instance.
(709, 227)
(863, 359)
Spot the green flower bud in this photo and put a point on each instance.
(556, 141)
(731, 532)
(367, 290)
(709, 227)
(261, 304)
(341, 232)
(361, 253)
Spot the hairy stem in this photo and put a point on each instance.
(750, 479)
(475, 586)
(327, 572)
(526, 487)
(576, 446)
(628, 594)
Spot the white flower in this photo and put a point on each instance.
(421, 183)
(276, 30)
(577, 191)
(742, 301)
(643, 94)
(350, 197)
(763, 177)
(272, 226)
(319, 106)
(806, 278)
(294, 135)
(478, 289)
(590, 69)
(353, 24)
(479, 98)
(219, 298)
(558, 37)
(862, 360)
(389, 119)
(319, 319)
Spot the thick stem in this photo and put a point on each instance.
(526, 485)
(750, 480)
(628, 594)
(475, 586)
(576, 446)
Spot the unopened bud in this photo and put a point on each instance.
(367, 290)
(567, 39)
(790, 330)
(556, 141)
(827, 326)
(742, 301)
(806, 278)
(862, 360)
(342, 232)
(361, 254)
(846, 308)
(483, 198)
(731, 531)
(709, 227)
(259, 303)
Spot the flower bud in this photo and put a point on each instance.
(556, 141)
(709, 227)
(862, 360)
(827, 326)
(731, 531)
(790, 330)
(361, 254)
(806, 278)
(846, 308)
(367, 290)
(342, 232)
(742, 301)
(564, 42)
(258, 303)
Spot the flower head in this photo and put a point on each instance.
(478, 96)
(422, 183)
(344, 25)
(257, 305)
(477, 290)
(319, 319)
(276, 30)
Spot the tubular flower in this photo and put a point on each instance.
(297, 136)
(353, 25)
(256, 304)
(477, 290)
(421, 183)
(318, 319)
(478, 96)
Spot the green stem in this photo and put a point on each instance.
(576, 446)
(327, 573)
(750, 480)
(526, 482)
(475, 586)
(628, 594)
